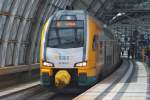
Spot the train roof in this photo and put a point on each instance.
(79, 14)
(71, 12)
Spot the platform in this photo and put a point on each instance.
(134, 85)
(19, 68)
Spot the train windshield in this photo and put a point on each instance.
(66, 34)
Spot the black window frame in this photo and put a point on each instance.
(51, 23)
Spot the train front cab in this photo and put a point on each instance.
(90, 74)
(84, 73)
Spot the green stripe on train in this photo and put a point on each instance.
(86, 81)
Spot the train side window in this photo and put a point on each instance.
(94, 42)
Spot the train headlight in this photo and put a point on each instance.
(48, 64)
(81, 64)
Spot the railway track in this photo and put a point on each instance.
(36, 92)
(31, 93)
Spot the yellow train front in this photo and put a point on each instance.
(73, 50)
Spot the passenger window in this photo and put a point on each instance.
(94, 42)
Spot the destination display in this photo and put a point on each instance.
(67, 24)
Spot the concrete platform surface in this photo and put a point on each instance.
(133, 85)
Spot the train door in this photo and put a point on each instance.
(95, 48)
(98, 54)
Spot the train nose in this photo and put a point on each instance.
(62, 78)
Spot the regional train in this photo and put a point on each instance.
(76, 50)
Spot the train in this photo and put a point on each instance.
(76, 49)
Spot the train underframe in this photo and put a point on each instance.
(79, 77)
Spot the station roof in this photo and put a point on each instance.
(106, 10)
(21, 22)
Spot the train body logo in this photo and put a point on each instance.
(56, 56)
(61, 58)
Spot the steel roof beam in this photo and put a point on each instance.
(7, 29)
